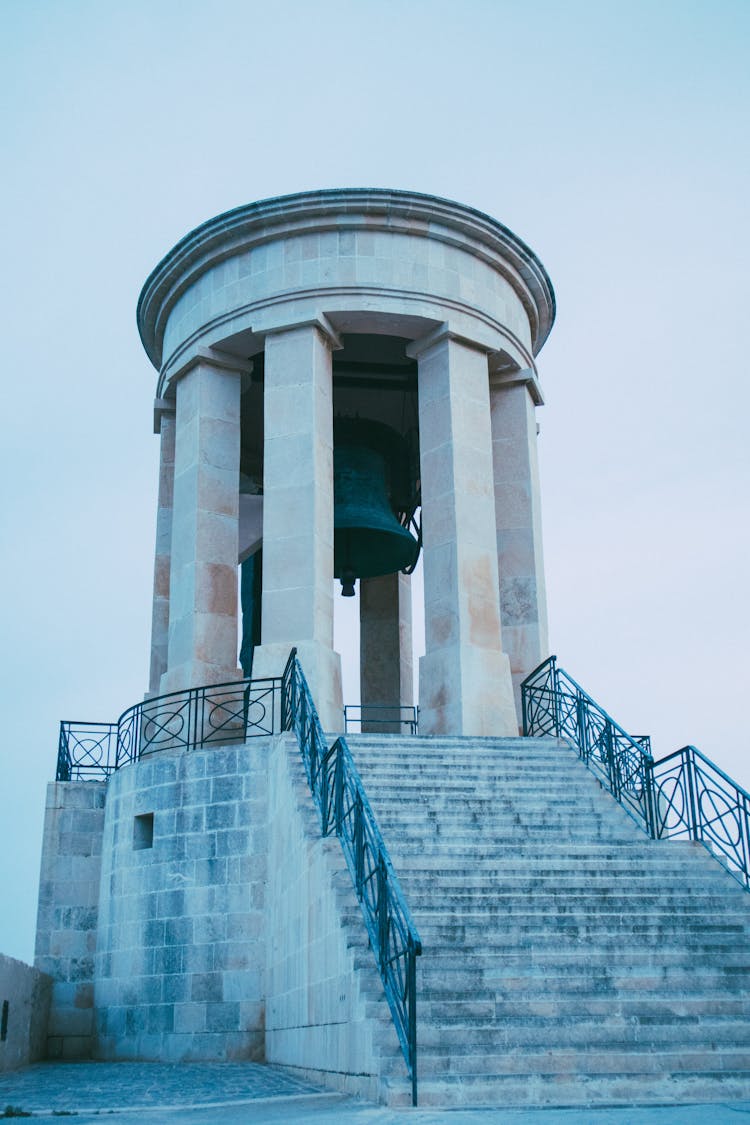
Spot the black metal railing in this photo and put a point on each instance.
(344, 809)
(86, 751)
(380, 718)
(684, 795)
(182, 720)
(696, 800)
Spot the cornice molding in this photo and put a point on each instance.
(370, 209)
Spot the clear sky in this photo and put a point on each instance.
(611, 135)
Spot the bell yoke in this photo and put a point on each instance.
(348, 377)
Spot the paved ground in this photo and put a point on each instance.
(249, 1094)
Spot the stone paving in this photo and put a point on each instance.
(106, 1087)
(253, 1094)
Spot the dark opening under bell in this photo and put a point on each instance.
(373, 484)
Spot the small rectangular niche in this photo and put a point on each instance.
(143, 831)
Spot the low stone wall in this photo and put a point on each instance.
(190, 910)
(68, 911)
(181, 946)
(318, 966)
(24, 1011)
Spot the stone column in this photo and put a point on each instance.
(523, 598)
(385, 648)
(465, 681)
(298, 514)
(164, 425)
(203, 573)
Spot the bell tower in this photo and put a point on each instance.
(347, 378)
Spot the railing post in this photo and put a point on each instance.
(64, 763)
(411, 987)
(742, 805)
(581, 727)
(338, 788)
(382, 914)
(614, 777)
(696, 829)
(325, 793)
(359, 846)
(137, 732)
(554, 676)
(651, 812)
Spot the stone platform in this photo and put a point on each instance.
(237, 1093)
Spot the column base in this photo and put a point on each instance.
(322, 668)
(196, 674)
(466, 691)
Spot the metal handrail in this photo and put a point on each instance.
(344, 809)
(697, 800)
(683, 795)
(405, 719)
(86, 751)
(180, 720)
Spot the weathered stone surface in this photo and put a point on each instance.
(465, 685)
(67, 916)
(24, 1012)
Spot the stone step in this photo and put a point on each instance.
(468, 842)
(507, 874)
(665, 986)
(564, 901)
(688, 921)
(457, 1040)
(575, 1091)
(567, 959)
(484, 1005)
(462, 1058)
(537, 940)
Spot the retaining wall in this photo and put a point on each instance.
(24, 1011)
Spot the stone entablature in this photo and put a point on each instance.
(347, 255)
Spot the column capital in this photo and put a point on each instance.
(162, 406)
(212, 357)
(320, 321)
(500, 380)
(418, 348)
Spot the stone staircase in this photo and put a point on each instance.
(568, 959)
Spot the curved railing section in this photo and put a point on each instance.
(181, 720)
(344, 809)
(684, 795)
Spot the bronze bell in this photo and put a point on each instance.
(368, 469)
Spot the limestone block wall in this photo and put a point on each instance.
(315, 1007)
(68, 911)
(25, 995)
(182, 938)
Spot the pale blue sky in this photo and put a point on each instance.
(611, 136)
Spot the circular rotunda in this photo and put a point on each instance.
(347, 378)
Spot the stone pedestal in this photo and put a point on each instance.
(465, 682)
